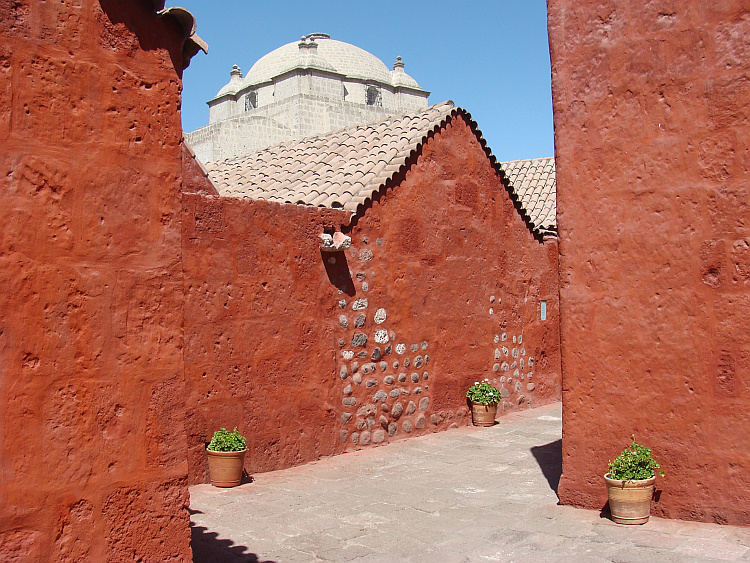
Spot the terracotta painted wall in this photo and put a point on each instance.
(92, 442)
(302, 350)
(258, 331)
(652, 143)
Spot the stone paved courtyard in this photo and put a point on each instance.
(465, 495)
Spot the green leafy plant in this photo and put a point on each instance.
(226, 441)
(483, 392)
(634, 463)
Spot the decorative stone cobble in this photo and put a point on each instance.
(383, 366)
(421, 422)
(383, 421)
(414, 347)
(530, 386)
(425, 376)
(504, 392)
(362, 354)
(405, 391)
(359, 304)
(388, 380)
(418, 362)
(348, 390)
(361, 276)
(384, 407)
(368, 368)
(388, 350)
(381, 336)
(342, 303)
(355, 437)
(343, 434)
(359, 321)
(359, 339)
(400, 348)
(347, 354)
(365, 286)
(392, 429)
(367, 410)
(378, 436)
(361, 424)
(343, 321)
(407, 362)
(343, 372)
(426, 358)
(357, 378)
(380, 316)
(349, 401)
(424, 403)
(402, 377)
(424, 345)
(380, 396)
(417, 391)
(345, 417)
(411, 408)
(395, 364)
(371, 383)
(495, 367)
(365, 255)
(407, 426)
(397, 410)
(376, 354)
(415, 377)
(364, 438)
(354, 367)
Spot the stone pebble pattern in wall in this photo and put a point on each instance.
(512, 369)
(385, 377)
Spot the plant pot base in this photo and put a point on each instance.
(225, 468)
(483, 415)
(630, 501)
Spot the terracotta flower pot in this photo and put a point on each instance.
(225, 468)
(630, 501)
(483, 415)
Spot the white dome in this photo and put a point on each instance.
(347, 59)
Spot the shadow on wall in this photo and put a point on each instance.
(208, 548)
(549, 458)
(337, 269)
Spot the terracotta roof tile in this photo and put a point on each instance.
(344, 168)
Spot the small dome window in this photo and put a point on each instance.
(373, 97)
(251, 100)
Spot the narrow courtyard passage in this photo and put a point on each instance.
(465, 495)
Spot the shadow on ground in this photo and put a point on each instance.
(208, 548)
(549, 458)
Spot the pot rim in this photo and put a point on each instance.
(226, 453)
(628, 483)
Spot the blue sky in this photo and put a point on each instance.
(490, 57)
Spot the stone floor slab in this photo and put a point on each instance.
(462, 496)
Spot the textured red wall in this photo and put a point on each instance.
(652, 142)
(92, 442)
(258, 334)
(274, 328)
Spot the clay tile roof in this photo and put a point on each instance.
(532, 183)
(344, 169)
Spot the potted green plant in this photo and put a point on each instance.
(484, 398)
(630, 484)
(226, 458)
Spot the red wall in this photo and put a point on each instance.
(258, 336)
(652, 143)
(265, 312)
(92, 442)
